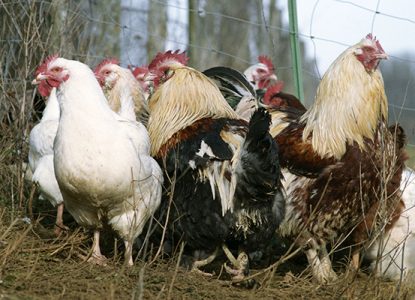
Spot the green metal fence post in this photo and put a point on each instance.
(295, 49)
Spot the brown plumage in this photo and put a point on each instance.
(342, 164)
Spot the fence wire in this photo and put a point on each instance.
(254, 18)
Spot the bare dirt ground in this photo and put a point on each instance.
(35, 265)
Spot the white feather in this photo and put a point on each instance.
(397, 247)
(102, 160)
(41, 141)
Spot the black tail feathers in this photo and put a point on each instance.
(259, 176)
(259, 124)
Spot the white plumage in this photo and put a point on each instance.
(41, 141)
(102, 160)
(397, 249)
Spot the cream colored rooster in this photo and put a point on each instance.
(102, 160)
(343, 164)
(119, 84)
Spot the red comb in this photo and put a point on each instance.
(168, 56)
(263, 59)
(272, 90)
(378, 45)
(140, 70)
(369, 36)
(105, 62)
(44, 65)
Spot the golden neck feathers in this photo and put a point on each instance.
(349, 104)
(185, 98)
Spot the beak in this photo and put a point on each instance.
(39, 79)
(149, 77)
(273, 77)
(381, 55)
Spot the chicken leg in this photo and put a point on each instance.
(59, 226)
(201, 263)
(128, 254)
(96, 256)
(241, 263)
(320, 263)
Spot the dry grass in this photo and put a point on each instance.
(35, 267)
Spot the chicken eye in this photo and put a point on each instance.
(107, 72)
(56, 69)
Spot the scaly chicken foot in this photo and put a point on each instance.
(320, 263)
(128, 254)
(201, 263)
(59, 226)
(241, 264)
(96, 256)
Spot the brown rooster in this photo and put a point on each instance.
(221, 172)
(342, 163)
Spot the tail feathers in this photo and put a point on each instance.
(259, 172)
(258, 127)
(232, 84)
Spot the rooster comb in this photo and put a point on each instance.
(370, 37)
(170, 55)
(107, 61)
(44, 65)
(140, 70)
(272, 90)
(263, 59)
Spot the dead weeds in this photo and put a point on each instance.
(35, 266)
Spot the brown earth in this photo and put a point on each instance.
(34, 265)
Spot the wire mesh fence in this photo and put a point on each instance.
(231, 33)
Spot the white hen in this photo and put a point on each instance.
(397, 248)
(41, 141)
(261, 75)
(118, 82)
(102, 160)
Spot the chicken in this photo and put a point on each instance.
(276, 98)
(396, 248)
(236, 89)
(41, 141)
(262, 74)
(222, 173)
(140, 74)
(101, 160)
(399, 229)
(240, 90)
(118, 84)
(342, 165)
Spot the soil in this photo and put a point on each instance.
(36, 265)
